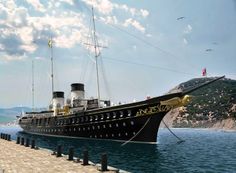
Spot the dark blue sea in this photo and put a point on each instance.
(203, 151)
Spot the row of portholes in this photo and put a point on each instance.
(111, 135)
(91, 118)
(81, 128)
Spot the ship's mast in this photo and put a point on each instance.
(96, 51)
(50, 44)
(33, 85)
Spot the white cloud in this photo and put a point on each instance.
(109, 19)
(103, 6)
(6, 58)
(134, 23)
(68, 1)
(185, 41)
(37, 5)
(144, 13)
(188, 29)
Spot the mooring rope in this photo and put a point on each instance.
(180, 140)
(136, 133)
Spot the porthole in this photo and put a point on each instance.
(95, 136)
(74, 129)
(88, 128)
(108, 116)
(124, 124)
(83, 129)
(110, 125)
(121, 114)
(79, 129)
(132, 123)
(119, 134)
(104, 126)
(134, 133)
(106, 135)
(129, 113)
(91, 118)
(93, 127)
(114, 115)
(112, 135)
(100, 136)
(117, 125)
(102, 117)
(96, 118)
(98, 127)
(126, 134)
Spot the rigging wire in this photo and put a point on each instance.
(148, 43)
(147, 65)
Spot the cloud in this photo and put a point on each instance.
(37, 5)
(188, 29)
(26, 27)
(7, 58)
(135, 24)
(144, 13)
(185, 41)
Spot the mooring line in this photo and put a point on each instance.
(180, 140)
(136, 133)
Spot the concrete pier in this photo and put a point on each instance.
(20, 159)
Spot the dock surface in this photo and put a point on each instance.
(20, 159)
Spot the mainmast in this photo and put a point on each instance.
(33, 85)
(96, 52)
(50, 42)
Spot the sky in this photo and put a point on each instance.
(146, 48)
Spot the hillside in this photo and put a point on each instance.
(213, 106)
(9, 115)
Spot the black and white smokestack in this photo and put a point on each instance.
(77, 87)
(58, 94)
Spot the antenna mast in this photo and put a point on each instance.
(33, 85)
(96, 51)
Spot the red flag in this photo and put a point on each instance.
(204, 72)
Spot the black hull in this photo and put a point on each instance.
(131, 122)
(139, 129)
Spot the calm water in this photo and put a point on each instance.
(203, 151)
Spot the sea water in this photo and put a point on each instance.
(203, 151)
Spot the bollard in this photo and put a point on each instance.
(18, 140)
(22, 141)
(27, 143)
(59, 150)
(1, 135)
(85, 157)
(104, 162)
(5, 136)
(9, 137)
(32, 143)
(71, 153)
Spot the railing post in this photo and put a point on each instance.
(9, 137)
(22, 141)
(104, 162)
(32, 143)
(27, 142)
(18, 140)
(59, 150)
(71, 153)
(85, 157)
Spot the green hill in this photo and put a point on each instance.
(211, 106)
